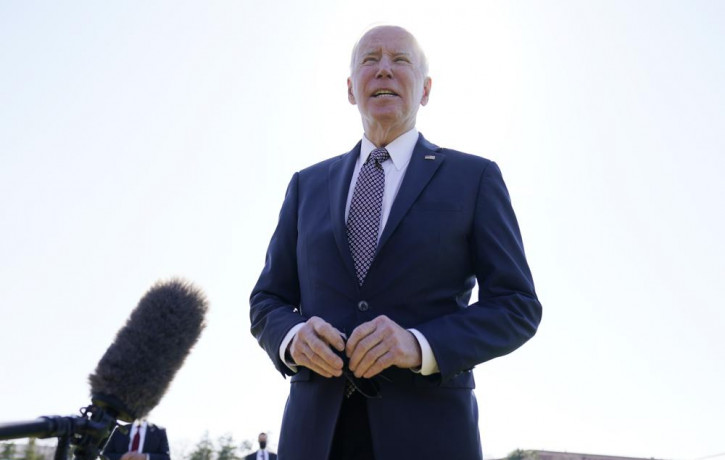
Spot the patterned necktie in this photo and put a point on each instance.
(363, 221)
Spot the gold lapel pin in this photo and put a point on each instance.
(430, 157)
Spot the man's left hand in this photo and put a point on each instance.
(378, 344)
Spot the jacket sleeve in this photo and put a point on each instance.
(111, 450)
(275, 300)
(507, 312)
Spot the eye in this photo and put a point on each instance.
(402, 59)
(369, 60)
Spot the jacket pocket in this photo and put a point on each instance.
(302, 375)
(463, 380)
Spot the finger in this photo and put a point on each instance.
(329, 334)
(324, 331)
(389, 345)
(368, 365)
(368, 335)
(363, 348)
(306, 356)
(360, 333)
(310, 356)
(324, 356)
(383, 362)
(308, 349)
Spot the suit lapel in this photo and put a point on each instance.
(340, 175)
(425, 161)
(149, 443)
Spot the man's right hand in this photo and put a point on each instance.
(310, 347)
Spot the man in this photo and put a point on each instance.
(138, 441)
(364, 295)
(262, 453)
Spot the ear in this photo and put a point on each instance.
(426, 90)
(350, 96)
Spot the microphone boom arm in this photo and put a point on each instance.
(87, 432)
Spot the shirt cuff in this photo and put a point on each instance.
(285, 343)
(428, 363)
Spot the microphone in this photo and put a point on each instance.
(133, 374)
(138, 367)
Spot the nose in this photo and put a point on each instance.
(385, 68)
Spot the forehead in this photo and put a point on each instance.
(388, 40)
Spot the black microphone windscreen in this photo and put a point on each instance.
(138, 367)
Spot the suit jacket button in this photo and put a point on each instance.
(362, 306)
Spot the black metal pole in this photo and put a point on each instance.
(61, 450)
(88, 432)
(44, 427)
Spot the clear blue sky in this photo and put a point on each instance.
(142, 140)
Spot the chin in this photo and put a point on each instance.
(387, 115)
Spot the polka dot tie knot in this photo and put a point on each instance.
(363, 221)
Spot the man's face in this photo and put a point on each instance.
(387, 81)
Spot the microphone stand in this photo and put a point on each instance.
(87, 432)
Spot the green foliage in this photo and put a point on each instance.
(520, 454)
(247, 446)
(8, 451)
(31, 452)
(227, 449)
(204, 449)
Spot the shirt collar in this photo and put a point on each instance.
(138, 426)
(400, 150)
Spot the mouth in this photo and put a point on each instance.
(384, 93)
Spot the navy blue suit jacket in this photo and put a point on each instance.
(450, 225)
(156, 445)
